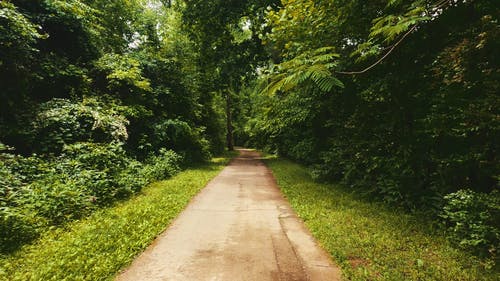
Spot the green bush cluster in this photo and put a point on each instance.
(37, 193)
(474, 220)
(62, 121)
(183, 138)
(161, 166)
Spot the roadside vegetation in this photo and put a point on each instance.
(373, 241)
(395, 100)
(97, 247)
(42, 193)
(98, 99)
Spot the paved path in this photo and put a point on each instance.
(238, 228)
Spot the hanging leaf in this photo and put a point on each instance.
(314, 66)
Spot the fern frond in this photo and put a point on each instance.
(314, 66)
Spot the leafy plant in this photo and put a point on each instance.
(17, 34)
(316, 66)
(180, 136)
(96, 168)
(162, 166)
(15, 223)
(61, 121)
(57, 200)
(473, 220)
(123, 70)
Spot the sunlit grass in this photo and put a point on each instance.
(370, 241)
(97, 247)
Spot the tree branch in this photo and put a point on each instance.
(440, 4)
(382, 58)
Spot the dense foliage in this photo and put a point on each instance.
(396, 99)
(226, 35)
(96, 97)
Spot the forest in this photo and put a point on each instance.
(398, 101)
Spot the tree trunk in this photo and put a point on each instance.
(229, 136)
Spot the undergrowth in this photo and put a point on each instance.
(97, 247)
(39, 193)
(371, 241)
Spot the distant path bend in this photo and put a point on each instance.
(239, 227)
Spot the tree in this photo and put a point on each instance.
(226, 34)
(408, 124)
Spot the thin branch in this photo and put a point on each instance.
(441, 4)
(383, 57)
(437, 6)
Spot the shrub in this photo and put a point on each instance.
(93, 156)
(57, 201)
(183, 138)
(37, 193)
(16, 228)
(473, 220)
(96, 168)
(162, 166)
(15, 223)
(132, 178)
(61, 121)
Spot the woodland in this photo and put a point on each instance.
(398, 101)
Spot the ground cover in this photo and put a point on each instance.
(97, 247)
(371, 241)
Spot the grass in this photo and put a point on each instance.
(370, 241)
(97, 247)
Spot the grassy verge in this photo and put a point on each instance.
(97, 247)
(370, 241)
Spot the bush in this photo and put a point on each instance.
(473, 220)
(162, 166)
(133, 178)
(36, 193)
(16, 228)
(16, 223)
(97, 169)
(183, 138)
(61, 121)
(57, 201)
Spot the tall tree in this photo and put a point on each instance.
(227, 38)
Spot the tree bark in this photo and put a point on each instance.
(229, 124)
